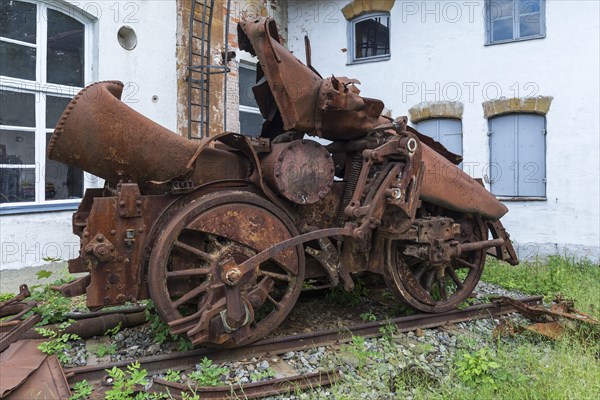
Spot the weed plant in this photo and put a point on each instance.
(208, 374)
(58, 341)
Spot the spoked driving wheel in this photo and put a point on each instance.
(436, 287)
(186, 278)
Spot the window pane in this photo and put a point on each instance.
(65, 49)
(250, 123)
(17, 185)
(372, 37)
(502, 29)
(17, 147)
(54, 109)
(247, 80)
(17, 109)
(62, 181)
(529, 6)
(529, 25)
(501, 9)
(17, 61)
(18, 20)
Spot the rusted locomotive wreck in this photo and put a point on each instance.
(221, 234)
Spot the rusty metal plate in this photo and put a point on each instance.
(27, 373)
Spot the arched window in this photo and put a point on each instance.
(45, 59)
(518, 155)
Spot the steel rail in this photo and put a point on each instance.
(251, 390)
(284, 344)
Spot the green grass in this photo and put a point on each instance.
(577, 280)
(529, 370)
(522, 367)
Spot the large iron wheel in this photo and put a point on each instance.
(185, 269)
(436, 288)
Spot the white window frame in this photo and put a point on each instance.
(516, 28)
(242, 108)
(41, 88)
(352, 40)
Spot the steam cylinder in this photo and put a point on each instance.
(301, 171)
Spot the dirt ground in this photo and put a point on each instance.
(10, 279)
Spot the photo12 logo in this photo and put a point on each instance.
(468, 92)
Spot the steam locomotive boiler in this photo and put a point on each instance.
(222, 233)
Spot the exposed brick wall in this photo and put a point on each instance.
(239, 9)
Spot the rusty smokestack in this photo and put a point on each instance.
(105, 137)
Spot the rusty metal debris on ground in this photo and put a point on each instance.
(549, 322)
(255, 390)
(221, 234)
(23, 294)
(12, 327)
(27, 373)
(96, 325)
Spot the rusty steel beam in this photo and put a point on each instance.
(96, 326)
(23, 294)
(17, 332)
(254, 390)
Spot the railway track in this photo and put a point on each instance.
(280, 345)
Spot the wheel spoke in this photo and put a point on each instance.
(465, 263)
(214, 242)
(420, 271)
(190, 295)
(429, 281)
(454, 277)
(188, 272)
(193, 250)
(274, 275)
(441, 281)
(274, 302)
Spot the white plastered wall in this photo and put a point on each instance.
(148, 70)
(438, 54)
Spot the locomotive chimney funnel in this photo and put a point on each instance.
(103, 136)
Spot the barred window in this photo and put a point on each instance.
(369, 38)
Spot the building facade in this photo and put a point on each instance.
(505, 83)
(509, 84)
